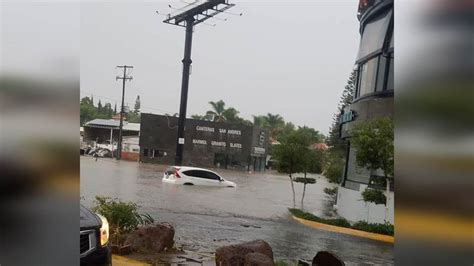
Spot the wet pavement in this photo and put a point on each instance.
(206, 218)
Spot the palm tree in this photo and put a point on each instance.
(231, 115)
(275, 124)
(218, 111)
(260, 121)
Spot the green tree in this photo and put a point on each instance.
(231, 115)
(87, 110)
(334, 165)
(287, 129)
(290, 154)
(313, 135)
(87, 101)
(133, 117)
(137, 104)
(217, 111)
(334, 141)
(108, 110)
(275, 124)
(260, 121)
(333, 168)
(99, 107)
(373, 142)
(312, 163)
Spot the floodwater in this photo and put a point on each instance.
(206, 218)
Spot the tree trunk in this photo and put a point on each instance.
(304, 190)
(293, 189)
(387, 196)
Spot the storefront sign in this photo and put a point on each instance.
(218, 143)
(234, 132)
(347, 117)
(200, 141)
(258, 150)
(206, 129)
(236, 145)
(221, 130)
(261, 139)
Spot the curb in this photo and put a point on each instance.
(120, 260)
(347, 231)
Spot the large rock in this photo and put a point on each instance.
(325, 258)
(235, 254)
(257, 259)
(151, 238)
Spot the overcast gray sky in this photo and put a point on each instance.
(283, 57)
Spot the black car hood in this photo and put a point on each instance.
(88, 218)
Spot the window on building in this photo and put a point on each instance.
(356, 173)
(390, 73)
(381, 74)
(367, 77)
(373, 35)
(145, 152)
(157, 153)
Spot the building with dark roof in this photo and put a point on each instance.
(206, 143)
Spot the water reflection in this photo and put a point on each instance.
(207, 217)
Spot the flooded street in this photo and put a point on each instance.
(206, 217)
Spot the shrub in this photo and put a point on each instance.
(303, 180)
(123, 217)
(374, 195)
(308, 216)
(385, 228)
(334, 169)
(281, 263)
(330, 191)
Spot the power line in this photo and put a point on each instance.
(115, 100)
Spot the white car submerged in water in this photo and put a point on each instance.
(182, 175)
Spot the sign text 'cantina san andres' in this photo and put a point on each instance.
(206, 143)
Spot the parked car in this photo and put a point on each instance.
(182, 175)
(94, 239)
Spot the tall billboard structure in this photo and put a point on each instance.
(187, 17)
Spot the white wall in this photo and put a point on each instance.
(352, 207)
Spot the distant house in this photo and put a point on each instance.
(319, 146)
(106, 132)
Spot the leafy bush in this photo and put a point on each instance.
(281, 263)
(308, 216)
(123, 217)
(374, 195)
(303, 180)
(385, 229)
(334, 169)
(330, 191)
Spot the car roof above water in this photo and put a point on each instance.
(186, 168)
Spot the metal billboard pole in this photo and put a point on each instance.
(188, 17)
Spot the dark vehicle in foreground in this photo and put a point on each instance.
(94, 239)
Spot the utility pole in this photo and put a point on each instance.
(122, 111)
(184, 90)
